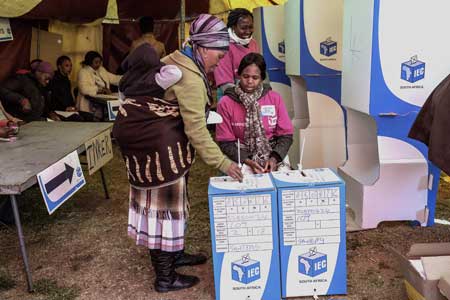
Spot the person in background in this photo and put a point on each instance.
(146, 25)
(28, 70)
(26, 97)
(257, 116)
(61, 91)
(93, 79)
(160, 155)
(240, 28)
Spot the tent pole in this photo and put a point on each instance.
(182, 20)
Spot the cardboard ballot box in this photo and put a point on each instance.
(244, 234)
(426, 268)
(311, 210)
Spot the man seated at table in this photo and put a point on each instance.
(26, 97)
(61, 92)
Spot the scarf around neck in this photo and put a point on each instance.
(254, 134)
(238, 40)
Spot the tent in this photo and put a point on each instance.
(107, 26)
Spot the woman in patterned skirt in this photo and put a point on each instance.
(159, 128)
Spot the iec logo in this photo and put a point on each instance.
(281, 47)
(413, 70)
(312, 263)
(328, 47)
(245, 270)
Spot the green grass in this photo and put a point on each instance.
(52, 291)
(6, 282)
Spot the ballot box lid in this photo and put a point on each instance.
(250, 184)
(306, 178)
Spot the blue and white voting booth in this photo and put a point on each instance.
(244, 234)
(269, 23)
(311, 210)
(393, 54)
(314, 51)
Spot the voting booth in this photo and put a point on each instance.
(269, 23)
(244, 234)
(313, 31)
(311, 213)
(388, 72)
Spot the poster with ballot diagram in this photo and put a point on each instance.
(244, 235)
(311, 214)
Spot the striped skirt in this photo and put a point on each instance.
(157, 216)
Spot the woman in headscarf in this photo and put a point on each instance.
(159, 137)
(256, 116)
(240, 28)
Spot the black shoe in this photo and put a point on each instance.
(185, 259)
(166, 278)
(180, 282)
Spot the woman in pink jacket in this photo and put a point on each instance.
(255, 116)
(240, 28)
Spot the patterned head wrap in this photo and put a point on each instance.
(209, 32)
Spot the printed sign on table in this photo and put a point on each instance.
(99, 151)
(113, 108)
(60, 181)
(5, 30)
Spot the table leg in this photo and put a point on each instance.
(105, 188)
(23, 250)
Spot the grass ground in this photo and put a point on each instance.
(82, 250)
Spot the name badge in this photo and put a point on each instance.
(268, 110)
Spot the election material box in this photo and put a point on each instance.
(425, 270)
(244, 234)
(313, 42)
(311, 209)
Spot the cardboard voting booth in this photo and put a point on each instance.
(313, 32)
(269, 23)
(387, 75)
(269, 33)
(244, 234)
(311, 213)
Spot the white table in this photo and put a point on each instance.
(40, 145)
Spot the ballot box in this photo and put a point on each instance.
(311, 213)
(244, 234)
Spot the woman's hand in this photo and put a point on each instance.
(6, 132)
(256, 168)
(271, 165)
(104, 91)
(71, 108)
(54, 116)
(235, 172)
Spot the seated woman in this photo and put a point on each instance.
(256, 116)
(93, 79)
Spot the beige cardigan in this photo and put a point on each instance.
(87, 86)
(192, 99)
